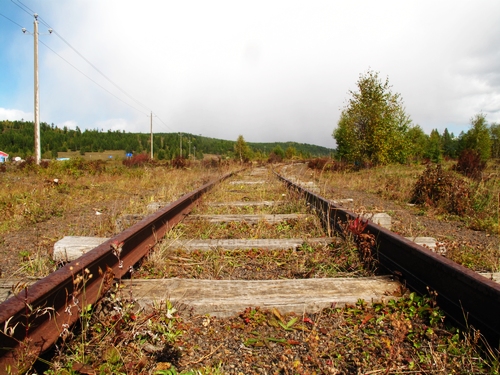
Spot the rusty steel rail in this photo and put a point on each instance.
(469, 299)
(35, 318)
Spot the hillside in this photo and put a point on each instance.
(17, 139)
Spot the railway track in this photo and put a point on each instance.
(45, 309)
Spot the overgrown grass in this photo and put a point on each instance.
(80, 198)
(307, 227)
(477, 205)
(408, 335)
(445, 196)
(310, 260)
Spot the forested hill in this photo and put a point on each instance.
(17, 139)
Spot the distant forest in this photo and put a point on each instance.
(17, 139)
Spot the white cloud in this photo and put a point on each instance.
(70, 124)
(121, 124)
(271, 71)
(15, 114)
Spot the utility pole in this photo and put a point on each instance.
(38, 146)
(189, 155)
(151, 128)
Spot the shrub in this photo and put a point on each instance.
(327, 164)
(274, 158)
(136, 160)
(438, 188)
(470, 164)
(179, 163)
(95, 166)
(320, 163)
(28, 164)
(210, 163)
(77, 167)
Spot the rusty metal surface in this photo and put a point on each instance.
(469, 299)
(42, 312)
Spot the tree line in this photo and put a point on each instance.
(17, 139)
(375, 129)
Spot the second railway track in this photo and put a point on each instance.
(219, 260)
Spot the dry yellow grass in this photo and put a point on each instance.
(40, 205)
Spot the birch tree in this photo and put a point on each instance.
(373, 125)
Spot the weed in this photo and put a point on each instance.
(435, 188)
(26, 353)
(327, 164)
(180, 162)
(470, 164)
(364, 241)
(138, 160)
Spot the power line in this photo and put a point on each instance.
(98, 71)
(28, 10)
(23, 7)
(86, 60)
(14, 22)
(109, 92)
(168, 127)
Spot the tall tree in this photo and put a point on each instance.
(418, 140)
(433, 149)
(449, 144)
(241, 149)
(290, 152)
(373, 125)
(478, 136)
(495, 140)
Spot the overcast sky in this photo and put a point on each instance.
(268, 70)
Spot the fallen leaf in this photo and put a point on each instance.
(83, 369)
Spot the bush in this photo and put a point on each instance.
(320, 163)
(210, 163)
(274, 158)
(28, 164)
(327, 164)
(179, 163)
(137, 160)
(470, 164)
(438, 188)
(95, 166)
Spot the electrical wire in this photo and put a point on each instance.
(43, 22)
(14, 22)
(109, 92)
(168, 127)
(98, 71)
(23, 7)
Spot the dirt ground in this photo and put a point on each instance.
(38, 239)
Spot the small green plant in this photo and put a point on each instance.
(289, 325)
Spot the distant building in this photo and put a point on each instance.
(3, 157)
